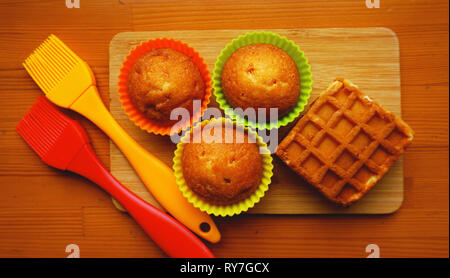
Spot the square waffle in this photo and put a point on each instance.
(345, 143)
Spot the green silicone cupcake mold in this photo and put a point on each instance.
(296, 54)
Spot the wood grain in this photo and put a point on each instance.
(72, 210)
(367, 56)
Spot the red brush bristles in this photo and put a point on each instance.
(62, 143)
(52, 135)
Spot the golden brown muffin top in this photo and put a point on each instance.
(261, 76)
(162, 80)
(223, 173)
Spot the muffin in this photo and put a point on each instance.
(261, 75)
(164, 79)
(222, 172)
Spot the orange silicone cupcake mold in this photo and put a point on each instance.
(137, 116)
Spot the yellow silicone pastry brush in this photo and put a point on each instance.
(69, 82)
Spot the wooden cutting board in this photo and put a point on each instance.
(367, 56)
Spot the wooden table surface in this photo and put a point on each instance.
(43, 210)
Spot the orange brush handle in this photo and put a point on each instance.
(156, 175)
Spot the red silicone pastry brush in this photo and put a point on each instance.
(62, 143)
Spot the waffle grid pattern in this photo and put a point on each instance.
(345, 143)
